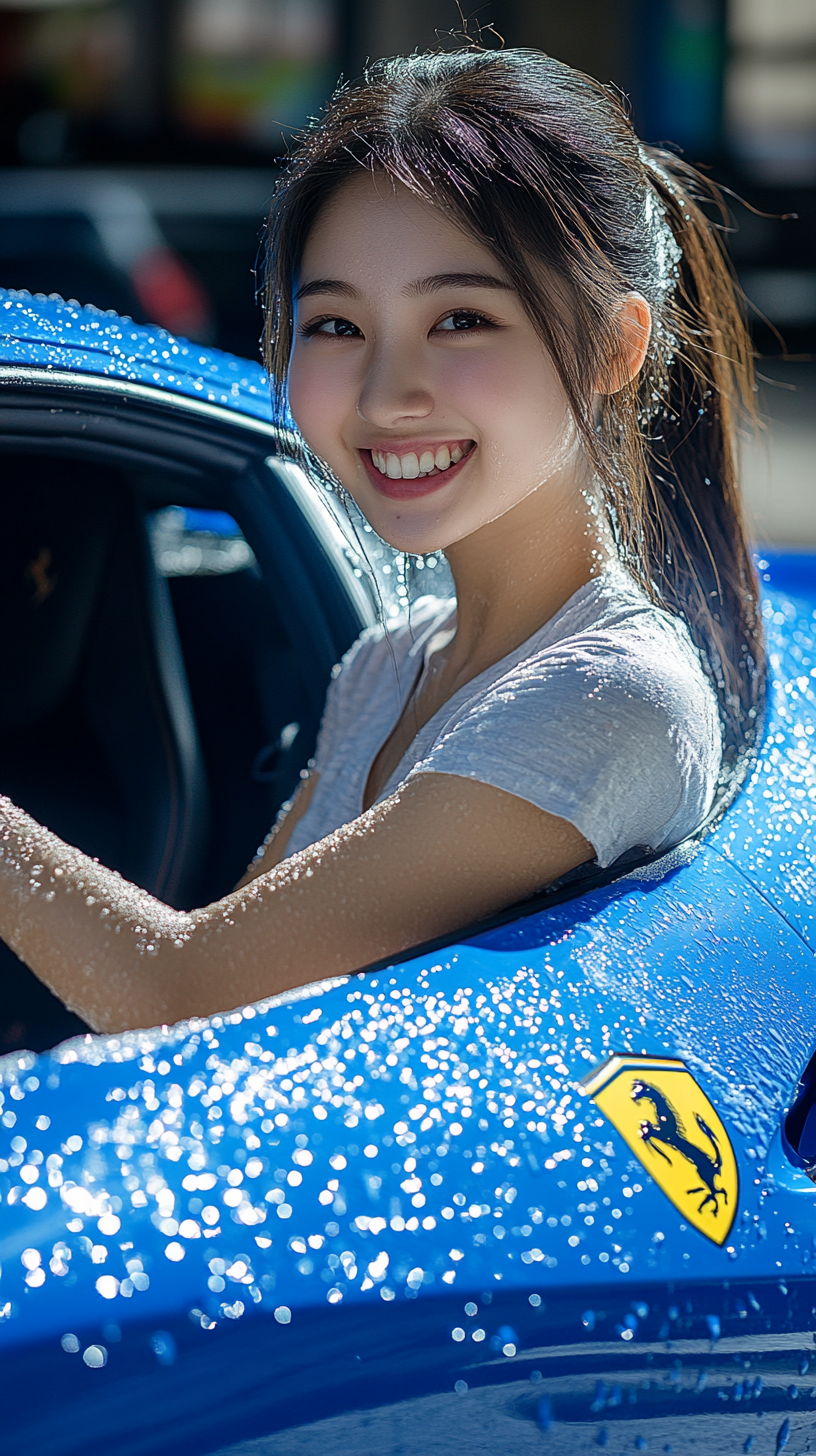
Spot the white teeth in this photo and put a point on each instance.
(408, 467)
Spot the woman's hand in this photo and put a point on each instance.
(440, 853)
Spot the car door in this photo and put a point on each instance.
(155, 715)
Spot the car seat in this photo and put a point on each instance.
(97, 734)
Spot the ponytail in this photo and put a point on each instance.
(696, 553)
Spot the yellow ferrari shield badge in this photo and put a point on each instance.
(670, 1125)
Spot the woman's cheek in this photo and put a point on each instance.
(304, 400)
(498, 390)
(470, 383)
(317, 399)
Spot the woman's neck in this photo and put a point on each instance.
(511, 577)
(514, 574)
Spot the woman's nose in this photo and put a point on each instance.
(394, 389)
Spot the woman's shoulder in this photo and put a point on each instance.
(611, 656)
(613, 621)
(606, 718)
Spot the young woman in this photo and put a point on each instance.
(507, 330)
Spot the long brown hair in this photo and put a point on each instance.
(541, 165)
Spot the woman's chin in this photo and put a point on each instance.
(416, 533)
(413, 543)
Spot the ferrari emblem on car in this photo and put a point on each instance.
(670, 1125)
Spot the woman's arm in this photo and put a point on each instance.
(441, 852)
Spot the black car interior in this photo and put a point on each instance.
(158, 724)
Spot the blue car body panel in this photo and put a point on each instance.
(390, 1191)
(769, 832)
(48, 333)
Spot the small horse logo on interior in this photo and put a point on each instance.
(668, 1132)
(41, 576)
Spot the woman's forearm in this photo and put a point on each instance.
(440, 852)
(100, 943)
(121, 959)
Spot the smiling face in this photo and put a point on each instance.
(417, 375)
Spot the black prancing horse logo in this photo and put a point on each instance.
(669, 1131)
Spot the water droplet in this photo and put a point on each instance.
(164, 1347)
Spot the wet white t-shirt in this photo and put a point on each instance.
(604, 717)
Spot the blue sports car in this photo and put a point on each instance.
(543, 1187)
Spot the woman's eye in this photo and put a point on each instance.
(463, 320)
(338, 328)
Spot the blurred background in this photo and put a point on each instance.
(139, 141)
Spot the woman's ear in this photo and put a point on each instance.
(634, 321)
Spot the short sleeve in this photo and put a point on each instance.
(618, 733)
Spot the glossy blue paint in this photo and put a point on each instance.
(693, 961)
(48, 333)
(681, 967)
(342, 1187)
(769, 833)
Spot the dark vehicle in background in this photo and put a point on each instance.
(95, 238)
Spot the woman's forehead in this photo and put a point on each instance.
(374, 214)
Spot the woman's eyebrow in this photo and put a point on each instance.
(439, 281)
(326, 285)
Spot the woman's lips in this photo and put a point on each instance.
(407, 489)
